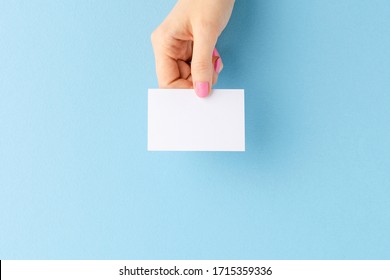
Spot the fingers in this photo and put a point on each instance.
(171, 72)
(184, 69)
(185, 76)
(202, 68)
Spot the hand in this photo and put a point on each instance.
(184, 44)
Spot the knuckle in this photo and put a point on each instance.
(157, 35)
(154, 36)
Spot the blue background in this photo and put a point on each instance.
(76, 181)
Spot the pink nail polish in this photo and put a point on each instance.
(216, 53)
(218, 65)
(202, 89)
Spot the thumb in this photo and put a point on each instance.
(202, 69)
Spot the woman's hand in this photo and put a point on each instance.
(184, 44)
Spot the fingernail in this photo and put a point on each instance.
(218, 65)
(202, 89)
(216, 53)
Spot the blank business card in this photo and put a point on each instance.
(178, 120)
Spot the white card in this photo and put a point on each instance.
(178, 120)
